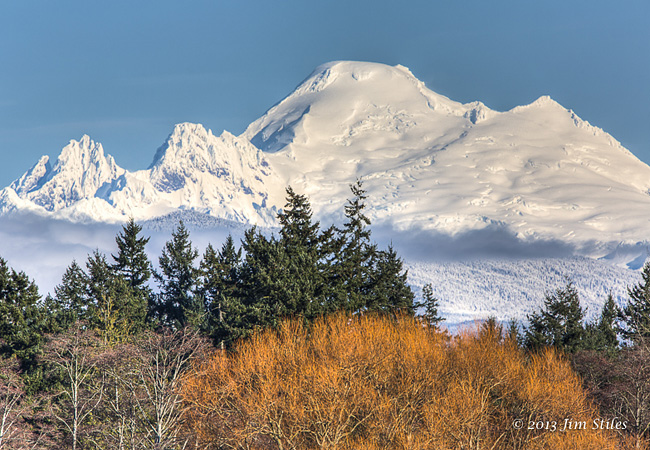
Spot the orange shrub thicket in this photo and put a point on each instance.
(380, 383)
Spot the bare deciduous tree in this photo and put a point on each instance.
(76, 356)
(159, 364)
(12, 405)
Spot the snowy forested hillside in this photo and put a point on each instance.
(512, 289)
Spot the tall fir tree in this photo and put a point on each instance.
(559, 324)
(178, 277)
(297, 226)
(355, 255)
(116, 311)
(219, 288)
(267, 291)
(71, 302)
(636, 314)
(513, 333)
(602, 335)
(306, 249)
(132, 262)
(286, 276)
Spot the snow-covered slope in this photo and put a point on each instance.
(431, 163)
(512, 289)
(224, 176)
(537, 172)
(75, 184)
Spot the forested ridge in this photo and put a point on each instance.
(310, 338)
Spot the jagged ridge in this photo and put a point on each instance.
(429, 163)
(224, 176)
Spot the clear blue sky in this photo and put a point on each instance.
(125, 72)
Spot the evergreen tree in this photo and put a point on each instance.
(389, 289)
(297, 227)
(513, 333)
(132, 262)
(268, 292)
(22, 318)
(636, 314)
(307, 251)
(71, 302)
(602, 335)
(286, 276)
(226, 312)
(114, 310)
(559, 324)
(430, 305)
(178, 280)
(353, 262)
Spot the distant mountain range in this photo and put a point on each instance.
(429, 164)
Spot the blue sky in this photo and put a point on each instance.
(125, 72)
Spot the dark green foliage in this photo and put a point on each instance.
(22, 318)
(636, 314)
(71, 301)
(270, 290)
(305, 250)
(430, 305)
(354, 263)
(132, 263)
(114, 307)
(389, 290)
(602, 335)
(297, 228)
(559, 324)
(99, 297)
(177, 280)
(219, 278)
(513, 333)
(286, 276)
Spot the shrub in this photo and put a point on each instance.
(379, 383)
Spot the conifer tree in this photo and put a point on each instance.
(115, 309)
(286, 276)
(297, 227)
(22, 319)
(267, 290)
(356, 254)
(602, 335)
(226, 312)
(132, 262)
(491, 329)
(430, 304)
(306, 249)
(559, 324)
(636, 314)
(389, 289)
(513, 333)
(71, 302)
(177, 280)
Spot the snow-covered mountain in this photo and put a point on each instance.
(538, 172)
(225, 176)
(431, 163)
(80, 176)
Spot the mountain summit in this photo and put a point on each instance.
(223, 176)
(429, 163)
(538, 170)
